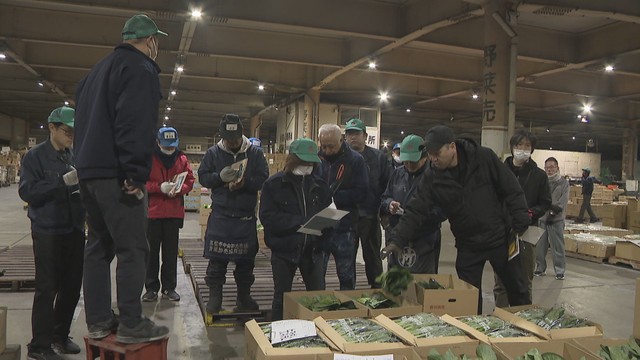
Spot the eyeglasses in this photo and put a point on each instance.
(66, 131)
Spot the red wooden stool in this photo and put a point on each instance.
(109, 349)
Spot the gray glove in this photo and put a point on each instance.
(71, 177)
(228, 174)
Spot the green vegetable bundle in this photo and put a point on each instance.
(630, 350)
(483, 352)
(493, 326)
(395, 280)
(534, 354)
(376, 300)
(308, 342)
(325, 302)
(358, 330)
(426, 325)
(432, 284)
(553, 318)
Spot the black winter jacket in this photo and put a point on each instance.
(379, 170)
(54, 208)
(286, 202)
(535, 184)
(346, 173)
(241, 202)
(116, 116)
(474, 207)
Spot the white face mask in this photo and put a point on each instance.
(167, 152)
(153, 51)
(396, 158)
(521, 155)
(303, 170)
(554, 177)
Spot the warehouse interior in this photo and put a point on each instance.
(286, 67)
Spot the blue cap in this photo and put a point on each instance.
(255, 142)
(168, 137)
(396, 146)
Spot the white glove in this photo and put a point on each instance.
(71, 177)
(166, 186)
(228, 174)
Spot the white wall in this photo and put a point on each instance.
(570, 162)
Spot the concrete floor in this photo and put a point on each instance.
(599, 292)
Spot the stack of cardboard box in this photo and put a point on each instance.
(276, 162)
(614, 214)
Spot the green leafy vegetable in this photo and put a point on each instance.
(483, 352)
(395, 280)
(493, 326)
(553, 318)
(325, 302)
(377, 300)
(426, 325)
(630, 350)
(359, 330)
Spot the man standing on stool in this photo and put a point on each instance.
(49, 183)
(231, 229)
(115, 135)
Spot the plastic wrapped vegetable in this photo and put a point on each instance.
(376, 300)
(358, 330)
(395, 280)
(493, 326)
(553, 318)
(325, 302)
(426, 325)
(308, 342)
(430, 284)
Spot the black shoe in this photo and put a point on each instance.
(145, 331)
(246, 303)
(560, 277)
(171, 295)
(42, 354)
(103, 329)
(150, 296)
(578, 221)
(214, 305)
(594, 220)
(66, 346)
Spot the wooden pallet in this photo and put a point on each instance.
(618, 261)
(19, 268)
(593, 259)
(261, 291)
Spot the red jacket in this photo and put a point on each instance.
(161, 206)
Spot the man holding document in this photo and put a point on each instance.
(287, 201)
(170, 179)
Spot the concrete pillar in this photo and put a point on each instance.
(498, 78)
(254, 125)
(311, 106)
(629, 152)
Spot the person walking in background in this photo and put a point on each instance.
(535, 184)
(553, 223)
(166, 213)
(49, 184)
(231, 233)
(368, 231)
(587, 191)
(483, 202)
(346, 173)
(395, 156)
(287, 201)
(116, 115)
(422, 254)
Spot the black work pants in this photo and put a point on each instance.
(283, 272)
(586, 206)
(470, 265)
(117, 228)
(58, 260)
(162, 233)
(369, 234)
(243, 273)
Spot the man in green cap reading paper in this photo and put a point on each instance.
(116, 116)
(49, 184)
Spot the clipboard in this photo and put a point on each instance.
(178, 181)
(240, 167)
(326, 218)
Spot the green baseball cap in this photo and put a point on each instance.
(355, 124)
(411, 148)
(305, 149)
(63, 115)
(140, 26)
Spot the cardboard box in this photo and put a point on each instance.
(294, 310)
(613, 211)
(459, 298)
(636, 318)
(458, 350)
(3, 328)
(593, 330)
(486, 339)
(569, 351)
(599, 250)
(258, 347)
(204, 215)
(628, 249)
(617, 223)
(407, 302)
(423, 342)
(395, 348)
(592, 345)
(570, 243)
(572, 209)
